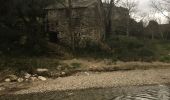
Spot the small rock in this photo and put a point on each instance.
(2, 88)
(13, 78)
(7, 80)
(69, 94)
(42, 78)
(63, 73)
(35, 75)
(33, 78)
(87, 73)
(59, 67)
(27, 76)
(20, 80)
(42, 70)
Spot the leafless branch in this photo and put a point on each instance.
(158, 6)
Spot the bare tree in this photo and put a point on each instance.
(69, 11)
(131, 5)
(107, 13)
(161, 7)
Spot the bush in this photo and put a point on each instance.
(93, 49)
(146, 54)
(130, 48)
(165, 58)
(124, 42)
(27, 64)
(76, 65)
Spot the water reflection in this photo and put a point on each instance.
(157, 92)
(160, 93)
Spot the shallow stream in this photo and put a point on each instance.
(154, 92)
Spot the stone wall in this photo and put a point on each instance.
(119, 20)
(86, 23)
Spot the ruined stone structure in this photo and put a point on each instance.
(85, 18)
(119, 20)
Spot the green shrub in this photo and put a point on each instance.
(145, 52)
(165, 58)
(76, 65)
(27, 64)
(92, 49)
(130, 48)
(124, 42)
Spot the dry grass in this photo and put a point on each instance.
(109, 65)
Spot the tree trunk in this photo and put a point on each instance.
(109, 19)
(127, 27)
(70, 24)
(152, 36)
(162, 35)
(107, 15)
(103, 16)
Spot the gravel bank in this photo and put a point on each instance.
(99, 80)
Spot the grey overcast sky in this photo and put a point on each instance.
(144, 8)
(144, 5)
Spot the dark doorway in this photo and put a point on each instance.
(53, 36)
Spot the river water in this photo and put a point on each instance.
(152, 92)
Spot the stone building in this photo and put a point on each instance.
(119, 20)
(86, 20)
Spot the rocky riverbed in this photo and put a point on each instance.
(119, 85)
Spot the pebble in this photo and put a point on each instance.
(27, 76)
(63, 73)
(2, 88)
(42, 78)
(33, 78)
(59, 67)
(42, 70)
(20, 80)
(13, 78)
(87, 73)
(7, 80)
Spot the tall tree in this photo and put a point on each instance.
(131, 5)
(69, 9)
(153, 28)
(107, 10)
